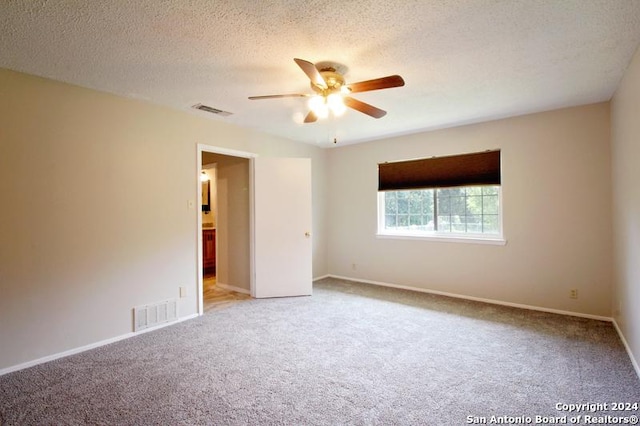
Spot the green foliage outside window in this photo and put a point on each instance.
(461, 210)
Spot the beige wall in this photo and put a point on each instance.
(233, 259)
(625, 136)
(117, 233)
(557, 218)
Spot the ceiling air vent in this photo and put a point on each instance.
(212, 110)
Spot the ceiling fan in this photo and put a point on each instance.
(331, 91)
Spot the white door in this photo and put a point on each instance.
(282, 230)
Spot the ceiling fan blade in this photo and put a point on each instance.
(312, 72)
(364, 107)
(292, 95)
(311, 117)
(376, 84)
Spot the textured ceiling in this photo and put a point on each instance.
(463, 61)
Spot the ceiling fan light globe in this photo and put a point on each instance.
(322, 111)
(338, 110)
(334, 99)
(336, 104)
(316, 102)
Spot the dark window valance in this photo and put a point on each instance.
(480, 168)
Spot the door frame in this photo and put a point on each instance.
(232, 153)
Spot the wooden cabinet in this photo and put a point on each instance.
(209, 250)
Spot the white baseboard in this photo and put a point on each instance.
(321, 278)
(233, 288)
(635, 364)
(477, 299)
(90, 346)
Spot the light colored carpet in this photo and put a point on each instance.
(350, 354)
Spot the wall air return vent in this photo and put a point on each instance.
(212, 110)
(153, 314)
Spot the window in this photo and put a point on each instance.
(455, 197)
(460, 210)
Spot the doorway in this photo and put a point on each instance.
(224, 227)
(214, 295)
(263, 224)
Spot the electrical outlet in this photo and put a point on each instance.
(183, 292)
(573, 293)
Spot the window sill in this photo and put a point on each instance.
(496, 241)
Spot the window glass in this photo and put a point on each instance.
(472, 210)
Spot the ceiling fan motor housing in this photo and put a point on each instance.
(332, 78)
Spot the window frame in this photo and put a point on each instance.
(478, 238)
